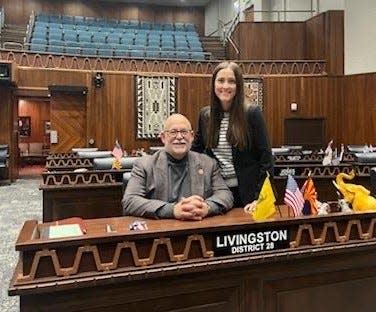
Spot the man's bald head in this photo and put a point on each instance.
(177, 119)
(177, 135)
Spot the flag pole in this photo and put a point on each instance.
(279, 210)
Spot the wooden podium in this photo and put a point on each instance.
(324, 263)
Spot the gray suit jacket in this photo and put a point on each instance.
(147, 189)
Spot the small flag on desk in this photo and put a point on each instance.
(293, 196)
(310, 197)
(117, 151)
(265, 207)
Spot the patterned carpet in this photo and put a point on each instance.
(19, 201)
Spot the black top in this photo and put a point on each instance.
(250, 164)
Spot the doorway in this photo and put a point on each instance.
(34, 126)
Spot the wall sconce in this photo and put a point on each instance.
(98, 80)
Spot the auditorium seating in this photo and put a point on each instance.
(115, 38)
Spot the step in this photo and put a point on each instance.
(12, 38)
(15, 26)
(17, 39)
(14, 32)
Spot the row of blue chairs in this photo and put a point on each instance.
(43, 33)
(81, 20)
(179, 46)
(118, 40)
(57, 28)
(118, 53)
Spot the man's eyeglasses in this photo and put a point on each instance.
(173, 133)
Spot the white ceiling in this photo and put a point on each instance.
(167, 2)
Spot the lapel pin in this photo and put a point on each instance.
(200, 171)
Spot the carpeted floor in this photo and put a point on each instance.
(19, 201)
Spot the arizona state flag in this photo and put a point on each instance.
(310, 197)
(265, 207)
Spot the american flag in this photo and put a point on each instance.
(293, 196)
(117, 151)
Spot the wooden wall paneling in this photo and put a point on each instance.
(288, 41)
(193, 94)
(279, 92)
(255, 41)
(107, 110)
(264, 40)
(7, 128)
(37, 77)
(14, 13)
(334, 112)
(195, 15)
(334, 42)
(5, 114)
(129, 11)
(316, 97)
(164, 15)
(113, 113)
(147, 13)
(315, 43)
(68, 118)
(359, 120)
(14, 151)
(314, 104)
(39, 111)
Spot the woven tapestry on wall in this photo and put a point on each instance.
(156, 101)
(253, 91)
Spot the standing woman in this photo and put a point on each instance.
(234, 133)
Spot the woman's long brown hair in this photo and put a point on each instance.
(238, 132)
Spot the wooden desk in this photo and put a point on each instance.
(90, 194)
(322, 177)
(329, 264)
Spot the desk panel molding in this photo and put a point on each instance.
(131, 249)
(68, 163)
(327, 256)
(62, 155)
(115, 264)
(76, 178)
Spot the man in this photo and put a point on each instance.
(176, 182)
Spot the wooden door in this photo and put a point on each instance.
(68, 118)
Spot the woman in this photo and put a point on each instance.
(234, 133)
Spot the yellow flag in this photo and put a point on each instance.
(265, 207)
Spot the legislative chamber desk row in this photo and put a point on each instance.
(224, 263)
(98, 193)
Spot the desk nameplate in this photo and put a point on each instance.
(250, 241)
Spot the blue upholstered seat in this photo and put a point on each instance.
(38, 41)
(38, 47)
(55, 49)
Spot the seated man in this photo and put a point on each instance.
(176, 182)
